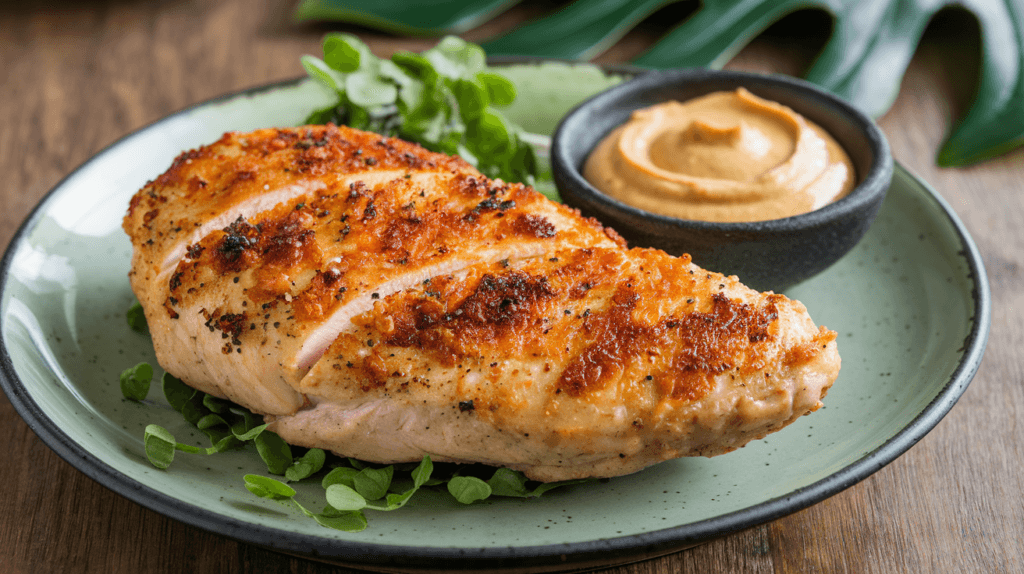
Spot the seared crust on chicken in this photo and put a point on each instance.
(385, 302)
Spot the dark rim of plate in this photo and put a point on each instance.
(551, 557)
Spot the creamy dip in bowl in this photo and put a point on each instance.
(763, 176)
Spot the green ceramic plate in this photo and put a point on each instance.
(910, 303)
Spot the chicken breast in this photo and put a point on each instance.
(407, 305)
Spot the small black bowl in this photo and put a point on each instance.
(766, 255)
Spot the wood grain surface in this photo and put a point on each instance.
(77, 76)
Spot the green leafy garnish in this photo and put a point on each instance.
(373, 483)
(135, 381)
(274, 451)
(160, 446)
(176, 392)
(468, 489)
(306, 466)
(348, 492)
(343, 497)
(136, 318)
(351, 489)
(272, 489)
(443, 99)
(341, 520)
(264, 487)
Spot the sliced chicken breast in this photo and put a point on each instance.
(385, 302)
(582, 362)
(250, 306)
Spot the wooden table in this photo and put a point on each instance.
(77, 76)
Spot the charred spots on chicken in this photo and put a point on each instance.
(496, 306)
(704, 344)
(504, 299)
(194, 251)
(466, 406)
(169, 305)
(149, 216)
(239, 237)
(241, 177)
(311, 138)
(356, 189)
(231, 326)
(531, 225)
(370, 211)
(759, 330)
(489, 205)
(175, 281)
(470, 186)
(579, 290)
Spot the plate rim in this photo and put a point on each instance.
(604, 552)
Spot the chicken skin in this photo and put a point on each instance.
(384, 302)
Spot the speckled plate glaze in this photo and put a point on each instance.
(911, 305)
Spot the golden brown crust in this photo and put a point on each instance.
(594, 315)
(408, 305)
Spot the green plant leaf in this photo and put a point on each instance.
(468, 489)
(341, 475)
(135, 381)
(421, 474)
(176, 392)
(159, 444)
(342, 497)
(343, 52)
(321, 72)
(307, 465)
(136, 318)
(864, 61)
(372, 483)
(994, 124)
(507, 482)
(500, 90)
(578, 31)
(414, 17)
(274, 451)
(348, 521)
(472, 99)
(455, 58)
(365, 89)
(266, 487)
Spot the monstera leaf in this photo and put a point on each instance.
(415, 17)
(864, 60)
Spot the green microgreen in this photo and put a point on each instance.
(135, 381)
(264, 487)
(372, 483)
(444, 99)
(137, 318)
(468, 489)
(272, 489)
(342, 497)
(176, 392)
(274, 451)
(306, 466)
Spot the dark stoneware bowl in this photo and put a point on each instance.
(766, 255)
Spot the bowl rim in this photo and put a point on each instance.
(871, 188)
